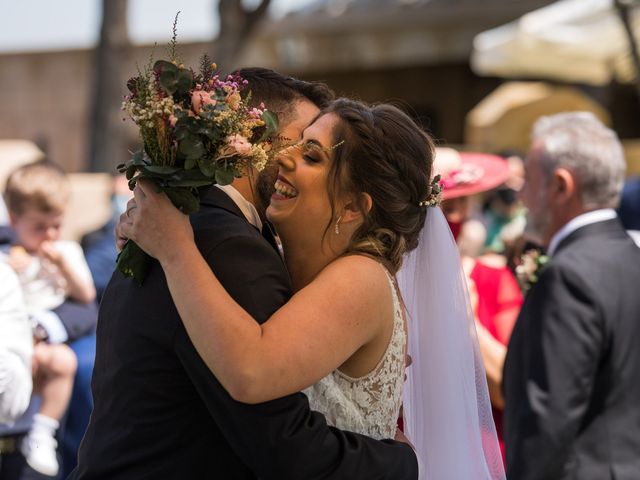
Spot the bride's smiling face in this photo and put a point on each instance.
(301, 200)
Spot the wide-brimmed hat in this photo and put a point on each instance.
(468, 173)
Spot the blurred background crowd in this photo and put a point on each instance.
(476, 75)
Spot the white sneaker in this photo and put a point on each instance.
(39, 450)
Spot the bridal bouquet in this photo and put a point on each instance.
(196, 131)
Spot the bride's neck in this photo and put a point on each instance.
(304, 261)
(303, 264)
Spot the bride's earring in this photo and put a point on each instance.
(337, 229)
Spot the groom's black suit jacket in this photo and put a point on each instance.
(572, 372)
(160, 413)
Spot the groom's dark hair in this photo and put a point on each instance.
(280, 92)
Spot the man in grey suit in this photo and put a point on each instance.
(572, 372)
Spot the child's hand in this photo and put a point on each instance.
(19, 259)
(50, 252)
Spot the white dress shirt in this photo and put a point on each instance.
(246, 207)
(580, 221)
(635, 236)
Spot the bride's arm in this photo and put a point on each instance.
(310, 336)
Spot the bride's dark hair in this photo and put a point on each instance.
(381, 151)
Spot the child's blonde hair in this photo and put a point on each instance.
(42, 186)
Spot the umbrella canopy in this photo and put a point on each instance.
(503, 120)
(582, 41)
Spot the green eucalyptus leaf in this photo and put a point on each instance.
(189, 163)
(181, 132)
(168, 75)
(183, 199)
(138, 158)
(212, 134)
(184, 80)
(189, 183)
(191, 147)
(224, 177)
(164, 66)
(131, 171)
(162, 169)
(169, 81)
(193, 174)
(133, 262)
(270, 120)
(186, 124)
(192, 124)
(207, 167)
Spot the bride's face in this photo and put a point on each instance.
(301, 200)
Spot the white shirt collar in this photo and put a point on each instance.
(578, 222)
(246, 207)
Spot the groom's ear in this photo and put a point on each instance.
(356, 208)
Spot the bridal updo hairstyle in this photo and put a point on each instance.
(381, 151)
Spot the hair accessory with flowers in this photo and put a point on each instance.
(531, 265)
(196, 131)
(435, 194)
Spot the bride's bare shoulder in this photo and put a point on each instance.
(358, 269)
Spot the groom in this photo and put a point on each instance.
(160, 413)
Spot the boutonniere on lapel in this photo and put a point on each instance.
(532, 262)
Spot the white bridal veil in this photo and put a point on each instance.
(447, 412)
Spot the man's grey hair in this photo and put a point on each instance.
(582, 144)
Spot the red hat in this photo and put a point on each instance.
(467, 173)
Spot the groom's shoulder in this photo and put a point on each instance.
(239, 255)
(219, 232)
(213, 226)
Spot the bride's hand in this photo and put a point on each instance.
(158, 227)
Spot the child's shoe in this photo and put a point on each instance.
(39, 446)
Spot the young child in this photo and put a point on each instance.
(49, 270)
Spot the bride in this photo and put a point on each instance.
(350, 205)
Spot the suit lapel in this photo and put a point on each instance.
(269, 235)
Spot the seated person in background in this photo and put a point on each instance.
(16, 348)
(49, 271)
(494, 291)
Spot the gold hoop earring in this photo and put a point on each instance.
(337, 229)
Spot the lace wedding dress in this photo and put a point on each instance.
(370, 404)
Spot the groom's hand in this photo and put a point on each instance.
(121, 238)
